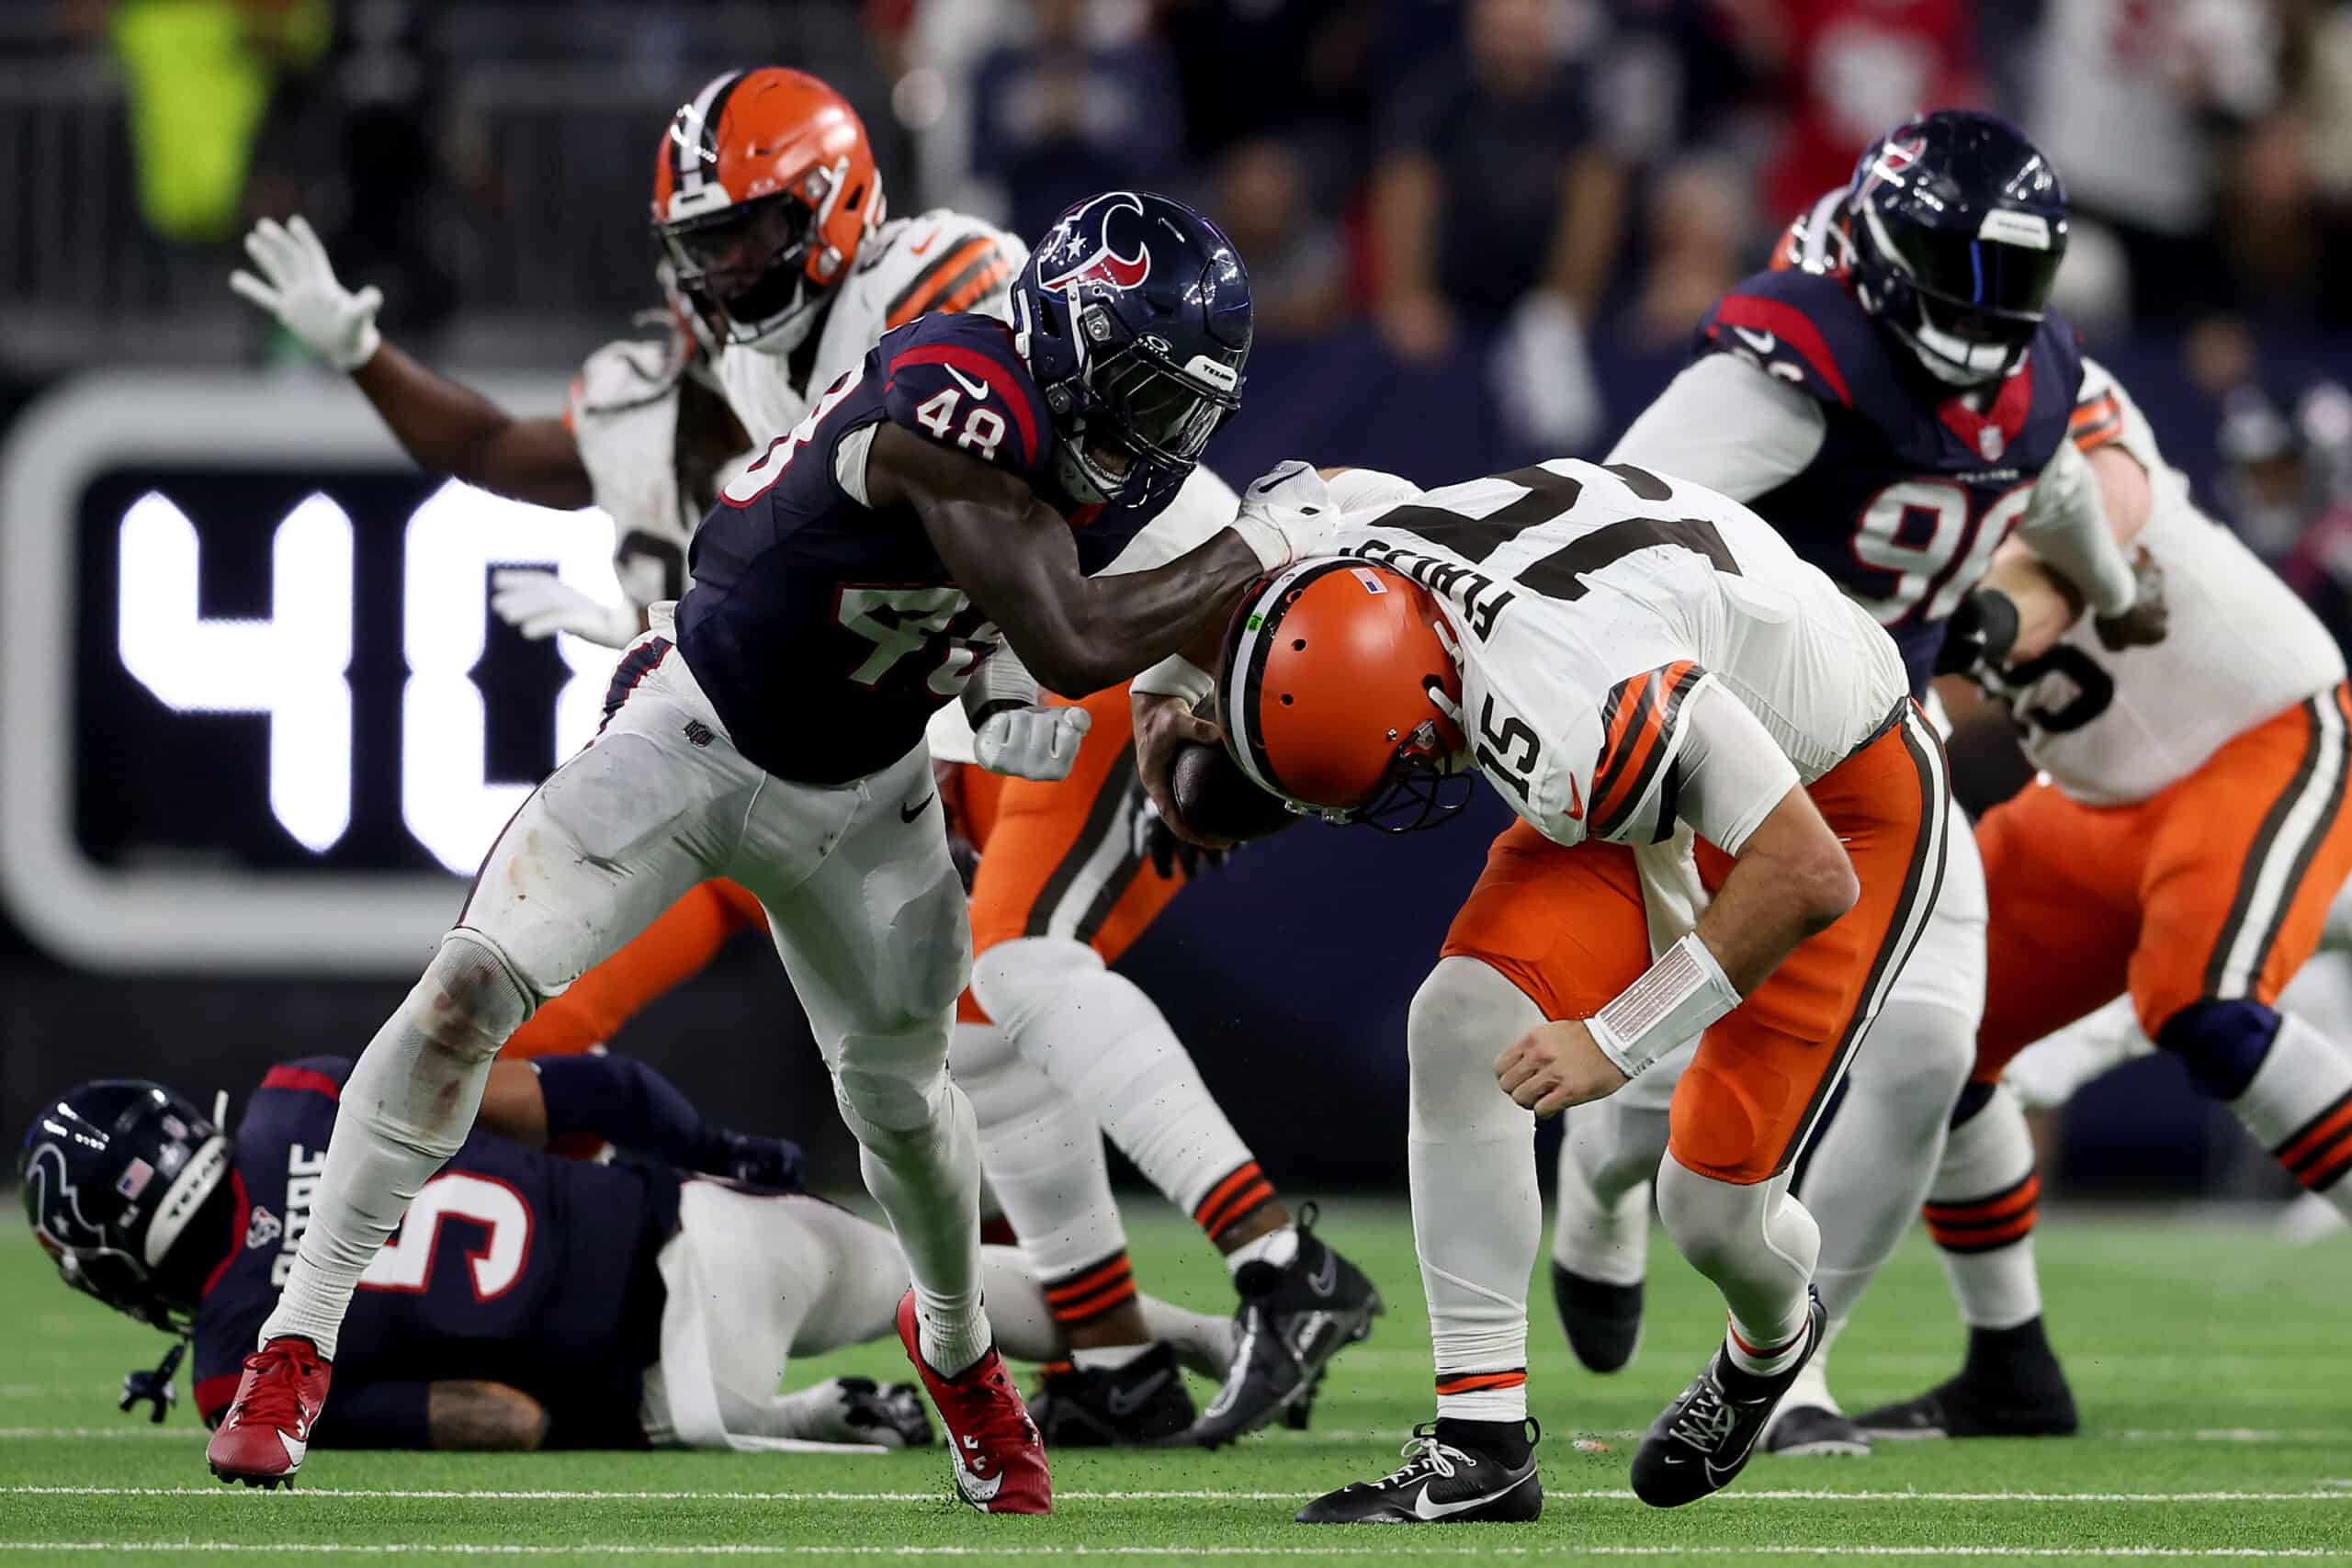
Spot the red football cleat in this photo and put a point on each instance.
(262, 1440)
(998, 1457)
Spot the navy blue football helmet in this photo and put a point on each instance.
(127, 1186)
(1134, 317)
(1958, 224)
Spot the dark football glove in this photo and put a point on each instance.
(752, 1159)
(2145, 622)
(1979, 634)
(1156, 839)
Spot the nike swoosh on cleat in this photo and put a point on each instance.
(1326, 1278)
(974, 1489)
(1424, 1507)
(1125, 1401)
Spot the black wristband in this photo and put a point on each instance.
(1997, 620)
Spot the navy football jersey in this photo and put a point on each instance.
(826, 632)
(513, 1266)
(1912, 490)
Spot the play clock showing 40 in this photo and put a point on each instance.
(259, 717)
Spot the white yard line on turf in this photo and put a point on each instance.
(1358, 1550)
(1198, 1495)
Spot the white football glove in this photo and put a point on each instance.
(543, 604)
(1030, 743)
(303, 294)
(1286, 515)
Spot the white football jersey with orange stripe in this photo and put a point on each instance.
(1589, 603)
(934, 261)
(2112, 728)
(623, 413)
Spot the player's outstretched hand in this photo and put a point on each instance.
(302, 292)
(1556, 1066)
(1286, 515)
(1164, 727)
(2145, 622)
(540, 605)
(1034, 742)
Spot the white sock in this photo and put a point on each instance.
(1202, 1342)
(1099, 1039)
(1107, 1358)
(927, 1179)
(1871, 1164)
(1025, 1329)
(1042, 1156)
(407, 1106)
(1277, 1247)
(2300, 1108)
(1477, 1206)
(1609, 1153)
(1982, 1209)
(1756, 1242)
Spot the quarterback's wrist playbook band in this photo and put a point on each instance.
(1674, 1001)
(1174, 676)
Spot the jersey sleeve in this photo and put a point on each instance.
(2102, 413)
(1728, 425)
(958, 382)
(1634, 776)
(957, 264)
(1785, 323)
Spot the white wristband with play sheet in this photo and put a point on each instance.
(1672, 1003)
(1174, 676)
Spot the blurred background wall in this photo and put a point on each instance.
(1479, 232)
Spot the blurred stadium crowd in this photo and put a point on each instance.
(1559, 186)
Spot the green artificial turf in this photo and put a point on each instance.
(2213, 1366)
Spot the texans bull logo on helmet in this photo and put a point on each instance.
(1080, 249)
(50, 1195)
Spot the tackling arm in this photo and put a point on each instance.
(1013, 555)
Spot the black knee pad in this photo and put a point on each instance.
(1973, 1097)
(2221, 1044)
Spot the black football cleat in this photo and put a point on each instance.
(1705, 1438)
(890, 1415)
(1466, 1477)
(1138, 1404)
(1809, 1431)
(1603, 1321)
(1292, 1321)
(2010, 1386)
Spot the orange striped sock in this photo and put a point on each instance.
(1087, 1294)
(1233, 1198)
(1483, 1396)
(1982, 1225)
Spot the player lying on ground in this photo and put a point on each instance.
(1678, 708)
(1894, 398)
(782, 273)
(774, 735)
(528, 1300)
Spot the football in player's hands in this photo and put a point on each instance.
(1218, 801)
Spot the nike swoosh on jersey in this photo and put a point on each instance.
(909, 813)
(1575, 800)
(1762, 343)
(979, 389)
(927, 242)
(1427, 1507)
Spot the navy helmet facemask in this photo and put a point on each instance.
(1133, 314)
(1959, 225)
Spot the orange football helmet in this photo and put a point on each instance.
(763, 190)
(1338, 694)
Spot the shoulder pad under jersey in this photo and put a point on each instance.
(1803, 328)
(956, 380)
(626, 374)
